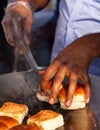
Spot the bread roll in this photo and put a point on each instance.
(25, 127)
(3, 126)
(14, 110)
(45, 98)
(78, 101)
(41, 97)
(46, 120)
(8, 121)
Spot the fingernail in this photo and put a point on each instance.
(68, 103)
(42, 93)
(87, 100)
(51, 100)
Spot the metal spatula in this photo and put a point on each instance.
(28, 54)
(30, 60)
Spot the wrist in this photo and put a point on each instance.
(96, 45)
(92, 44)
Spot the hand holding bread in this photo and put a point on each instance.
(78, 101)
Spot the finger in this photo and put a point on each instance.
(48, 75)
(87, 86)
(51, 70)
(87, 92)
(8, 30)
(71, 88)
(18, 30)
(41, 72)
(26, 36)
(28, 21)
(27, 27)
(45, 89)
(57, 85)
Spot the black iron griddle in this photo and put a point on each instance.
(21, 87)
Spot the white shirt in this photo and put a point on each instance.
(76, 18)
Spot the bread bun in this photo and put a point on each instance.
(46, 120)
(45, 98)
(3, 126)
(14, 110)
(78, 101)
(8, 121)
(25, 127)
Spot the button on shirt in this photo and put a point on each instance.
(76, 18)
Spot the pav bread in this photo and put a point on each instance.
(8, 121)
(14, 110)
(25, 127)
(45, 98)
(46, 120)
(3, 126)
(78, 101)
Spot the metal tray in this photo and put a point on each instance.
(21, 87)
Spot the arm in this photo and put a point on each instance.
(72, 62)
(93, 43)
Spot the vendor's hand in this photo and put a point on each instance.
(17, 23)
(73, 62)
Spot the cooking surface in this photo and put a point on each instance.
(21, 87)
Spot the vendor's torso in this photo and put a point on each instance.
(76, 18)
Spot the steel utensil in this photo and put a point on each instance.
(31, 61)
(15, 87)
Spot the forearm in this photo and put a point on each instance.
(93, 43)
(37, 4)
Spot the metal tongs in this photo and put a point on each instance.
(30, 60)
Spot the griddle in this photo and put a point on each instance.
(21, 87)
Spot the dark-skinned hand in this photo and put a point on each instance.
(73, 62)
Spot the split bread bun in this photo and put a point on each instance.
(78, 98)
(45, 98)
(46, 120)
(8, 121)
(78, 101)
(14, 110)
(25, 127)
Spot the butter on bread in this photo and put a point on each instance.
(15, 110)
(78, 101)
(46, 120)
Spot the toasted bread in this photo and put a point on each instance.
(46, 120)
(25, 127)
(8, 121)
(14, 110)
(3, 126)
(45, 98)
(78, 101)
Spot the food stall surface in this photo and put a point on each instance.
(21, 87)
